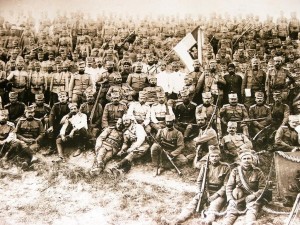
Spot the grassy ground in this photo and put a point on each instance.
(63, 194)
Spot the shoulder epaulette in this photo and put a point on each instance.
(22, 119)
(226, 105)
(7, 105)
(37, 119)
(193, 103)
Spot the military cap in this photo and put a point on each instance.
(13, 94)
(115, 94)
(126, 63)
(276, 93)
(37, 64)
(213, 149)
(4, 112)
(81, 63)
(30, 108)
(127, 116)
(151, 76)
(232, 124)
(212, 61)
(39, 97)
(142, 94)
(245, 152)
(232, 95)
(206, 95)
(259, 94)
(231, 65)
(184, 93)
(160, 94)
(206, 68)
(170, 118)
(277, 58)
(62, 93)
(72, 105)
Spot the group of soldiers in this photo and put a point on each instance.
(120, 90)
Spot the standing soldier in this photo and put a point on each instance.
(108, 144)
(159, 112)
(152, 90)
(19, 80)
(15, 108)
(245, 187)
(233, 83)
(253, 81)
(59, 83)
(134, 145)
(94, 121)
(113, 111)
(214, 195)
(171, 140)
(234, 112)
(79, 83)
(195, 75)
(37, 82)
(280, 112)
(137, 80)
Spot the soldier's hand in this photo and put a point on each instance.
(213, 197)
(120, 153)
(50, 129)
(250, 198)
(63, 137)
(295, 149)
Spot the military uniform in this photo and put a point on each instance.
(19, 80)
(259, 111)
(112, 112)
(286, 139)
(126, 92)
(280, 114)
(137, 81)
(58, 83)
(42, 110)
(256, 182)
(15, 109)
(151, 93)
(233, 84)
(171, 140)
(158, 114)
(58, 111)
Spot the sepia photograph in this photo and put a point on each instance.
(150, 112)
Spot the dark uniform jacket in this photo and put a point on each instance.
(286, 139)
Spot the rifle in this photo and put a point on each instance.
(95, 105)
(294, 211)
(167, 155)
(252, 120)
(202, 188)
(208, 125)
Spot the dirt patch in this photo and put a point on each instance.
(60, 194)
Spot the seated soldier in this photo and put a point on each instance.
(30, 131)
(74, 130)
(141, 111)
(287, 138)
(134, 145)
(108, 144)
(171, 141)
(233, 142)
(214, 196)
(152, 90)
(9, 144)
(42, 110)
(244, 190)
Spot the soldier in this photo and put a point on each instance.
(277, 79)
(259, 111)
(253, 81)
(108, 144)
(30, 131)
(59, 83)
(214, 195)
(9, 144)
(244, 188)
(141, 112)
(74, 130)
(287, 138)
(137, 80)
(234, 112)
(113, 111)
(177, 80)
(94, 123)
(126, 92)
(234, 142)
(134, 145)
(42, 110)
(152, 90)
(15, 108)
(79, 83)
(233, 83)
(19, 80)
(195, 75)
(159, 112)
(37, 82)
(171, 140)
(185, 115)
(279, 111)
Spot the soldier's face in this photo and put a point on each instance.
(169, 124)
(233, 101)
(231, 129)
(115, 100)
(62, 98)
(246, 160)
(3, 118)
(127, 122)
(161, 100)
(214, 158)
(119, 124)
(90, 98)
(201, 121)
(126, 68)
(139, 68)
(277, 63)
(277, 98)
(142, 100)
(12, 100)
(293, 123)
(255, 65)
(259, 100)
(152, 81)
(206, 101)
(29, 114)
(39, 102)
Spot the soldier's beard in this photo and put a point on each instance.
(81, 71)
(196, 69)
(30, 118)
(110, 70)
(213, 70)
(2, 122)
(255, 68)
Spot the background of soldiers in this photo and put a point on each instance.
(249, 57)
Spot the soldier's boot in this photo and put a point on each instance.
(60, 151)
(288, 201)
(97, 168)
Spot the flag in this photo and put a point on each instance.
(185, 45)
